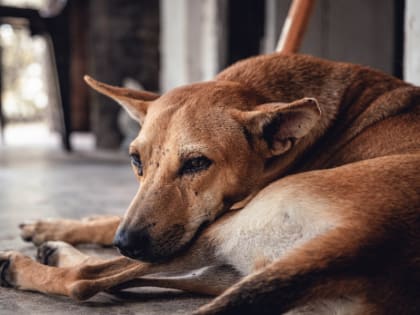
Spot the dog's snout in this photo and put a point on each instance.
(133, 243)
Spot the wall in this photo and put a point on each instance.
(357, 31)
(412, 42)
(193, 40)
(194, 35)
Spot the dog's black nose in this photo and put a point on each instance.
(133, 243)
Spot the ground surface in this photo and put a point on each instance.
(38, 183)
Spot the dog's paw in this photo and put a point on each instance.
(40, 231)
(32, 231)
(7, 276)
(48, 253)
(59, 254)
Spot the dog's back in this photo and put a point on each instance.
(371, 114)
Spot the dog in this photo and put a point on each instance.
(288, 184)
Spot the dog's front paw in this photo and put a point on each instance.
(59, 254)
(7, 274)
(48, 253)
(40, 231)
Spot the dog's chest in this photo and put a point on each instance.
(269, 227)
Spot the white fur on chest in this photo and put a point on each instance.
(274, 222)
(277, 220)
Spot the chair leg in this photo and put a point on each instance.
(64, 106)
(59, 49)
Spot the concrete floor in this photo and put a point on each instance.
(38, 183)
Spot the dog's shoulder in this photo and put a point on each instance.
(287, 65)
(295, 68)
(282, 77)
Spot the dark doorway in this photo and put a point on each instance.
(399, 7)
(246, 20)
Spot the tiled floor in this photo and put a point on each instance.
(37, 183)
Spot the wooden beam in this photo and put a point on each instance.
(295, 26)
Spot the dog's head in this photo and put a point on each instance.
(201, 148)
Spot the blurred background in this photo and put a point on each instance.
(46, 46)
(63, 147)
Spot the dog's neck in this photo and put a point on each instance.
(359, 108)
(343, 118)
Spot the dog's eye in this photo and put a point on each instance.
(194, 165)
(136, 161)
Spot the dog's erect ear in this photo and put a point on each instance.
(134, 102)
(279, 125)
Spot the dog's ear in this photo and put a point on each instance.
(279, 125)
(134, 102)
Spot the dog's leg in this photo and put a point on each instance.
(313, 271)
(211, 280)
(196, 270)
(61, 254)
(97, 229)
(208, 280)
(79, 282)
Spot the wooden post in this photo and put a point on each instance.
(79, 105)
(295, 25)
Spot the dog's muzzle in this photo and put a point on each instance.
(133, 243)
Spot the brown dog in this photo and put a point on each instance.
(313, 168)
